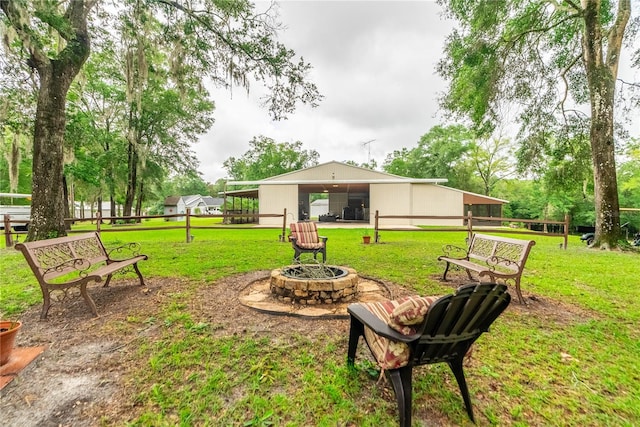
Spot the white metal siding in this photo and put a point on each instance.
(332, 171)
(431, 199)
(390, 199)
(415, 199)
(274, 199)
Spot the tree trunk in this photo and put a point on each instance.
(112, 198)
(601, 76)
(55, 77)
(99, 207)
(68, 200)
(47, 203)
(140, 199)
(132, 178)
(608, 231)
(14, 162)
(113, 212)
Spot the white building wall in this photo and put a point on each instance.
(182, 208)
(169, 210)
(415, 199)
(390, 199)
(274, 199)
(332, 171)
(429, 199)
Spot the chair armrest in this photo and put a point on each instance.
(455, 252)
(495, 260)
(323, 238)
(129, 250)
(373, 322)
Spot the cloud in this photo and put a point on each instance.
(374, 62)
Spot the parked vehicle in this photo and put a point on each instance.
(16, 212)
(588, 238)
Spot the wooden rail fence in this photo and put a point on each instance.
(472, 222)
(133, 224)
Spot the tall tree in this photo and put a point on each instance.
(492, 161)
(516, 52)
(232, 41)
(56, 64)
(441, 153)
(17, 106)
(97, 116)
(266, 158)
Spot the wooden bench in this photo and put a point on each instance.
(492, 258)
(75, 261)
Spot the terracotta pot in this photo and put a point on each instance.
(7, 339)
(366, 239)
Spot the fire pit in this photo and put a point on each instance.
(314, 284)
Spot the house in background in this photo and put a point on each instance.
(355, 194)
(214, 204)
(175, 205)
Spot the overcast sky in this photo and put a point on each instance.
(374, 62)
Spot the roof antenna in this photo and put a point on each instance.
(368, 144)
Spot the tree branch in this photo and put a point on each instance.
(194, 15)
(624, 82)
(616, 35)
(19, 20)
(563, 75)
(542, 29)
(573, 5)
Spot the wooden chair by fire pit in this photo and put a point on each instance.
(414, 331)
(304, 238)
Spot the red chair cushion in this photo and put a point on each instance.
(306, 234)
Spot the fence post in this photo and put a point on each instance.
(284, 225)
(566, 230)
(98, 221)
(188, 226)
(375, 228)
(7, 231)
(469, 225)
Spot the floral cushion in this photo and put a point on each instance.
(389, 354)
(410, 313)
(403, 315)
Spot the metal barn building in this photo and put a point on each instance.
(356, 193)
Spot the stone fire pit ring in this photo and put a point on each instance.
(342, 287)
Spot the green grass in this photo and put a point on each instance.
(579, 365)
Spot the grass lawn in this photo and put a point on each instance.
(578, 364)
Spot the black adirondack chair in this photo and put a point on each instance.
(451, 325)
